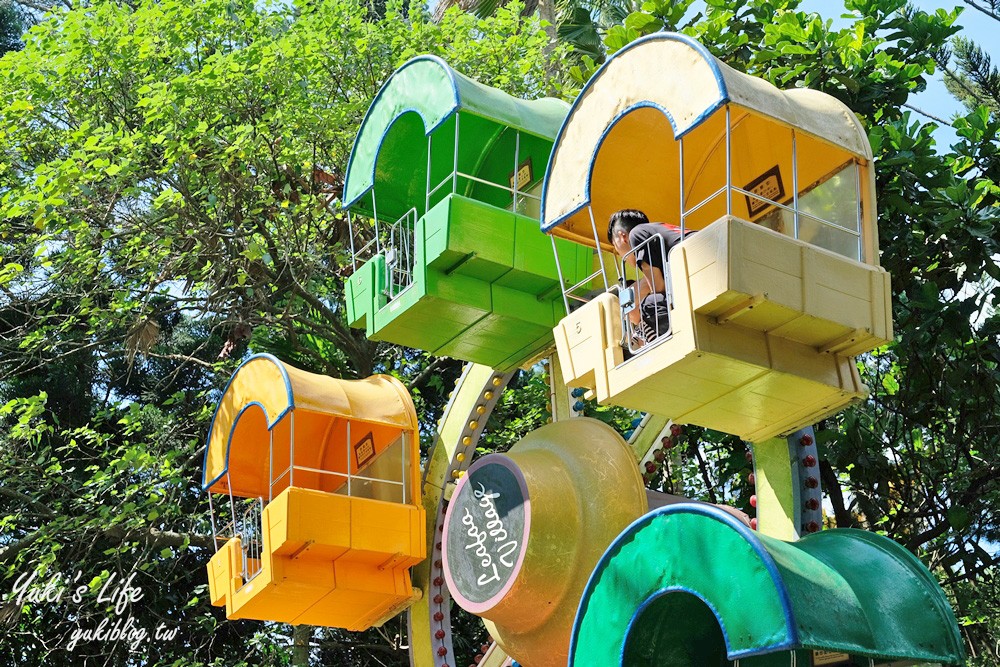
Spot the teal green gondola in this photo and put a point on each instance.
(688, 585)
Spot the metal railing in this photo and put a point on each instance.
(645, 306)
(515, 193)
(396, 242)
(250, 529)
(348, 477)
(399, 254)
(796, 214)
(246, 516)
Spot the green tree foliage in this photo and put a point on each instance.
(169, 174)
(11, 27)
(977, 82)
(974, 78)
(168, 181)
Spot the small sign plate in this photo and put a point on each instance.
(525, 176)
(830, 658)
(769, 186)
(486, 532)
(364, 451)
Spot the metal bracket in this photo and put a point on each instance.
(626, 299)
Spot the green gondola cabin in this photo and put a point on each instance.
(448, 173)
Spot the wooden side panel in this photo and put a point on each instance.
(587, 341)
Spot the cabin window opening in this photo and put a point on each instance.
(515, 182)
(829, 213)
(360, 465)
(378, 477)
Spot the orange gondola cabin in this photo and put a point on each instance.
(320, 480)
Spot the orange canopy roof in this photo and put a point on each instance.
(264, 391)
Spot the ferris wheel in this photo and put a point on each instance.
(478, 232)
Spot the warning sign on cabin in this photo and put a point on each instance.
(364, 451)
(830, 658)
(524, 176)
(766, 186)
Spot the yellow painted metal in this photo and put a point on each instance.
(562, 403)
(775, 491)
(494, 657)
(799, 292)
(764, 329)
(256, 404)
(648, 437)
(584, 488)
(327, 559)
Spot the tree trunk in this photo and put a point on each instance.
(301, 636)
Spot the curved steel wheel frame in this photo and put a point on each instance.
(475, 396)
(471, 403)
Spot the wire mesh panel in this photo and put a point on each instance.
(245, 522)
(249, 531)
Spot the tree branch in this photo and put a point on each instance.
(159, 539)
(38, 507)
(982, 9)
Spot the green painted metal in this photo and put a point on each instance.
(485, 287)
(422, 99)
(730, 593)
(463, 237)
(454, 437)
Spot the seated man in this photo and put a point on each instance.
(628, 229)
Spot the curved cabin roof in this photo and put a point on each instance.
(626, 122)
(256, 403)
(694, 571)
(421, 97)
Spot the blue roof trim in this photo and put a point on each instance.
(659, 36)
(291, 406)
(454, 87)
(719, 515)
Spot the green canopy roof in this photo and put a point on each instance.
(691, 585)
(390, 150)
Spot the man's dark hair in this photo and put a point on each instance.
(626, 220)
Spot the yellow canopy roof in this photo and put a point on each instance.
(263, 390)
(653, 92)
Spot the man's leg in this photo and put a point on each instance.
(656, 316)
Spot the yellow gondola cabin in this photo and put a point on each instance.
(780, 288)
(320, 479)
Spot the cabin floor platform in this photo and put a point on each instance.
(326, 559)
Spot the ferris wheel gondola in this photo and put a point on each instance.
(780, 288)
